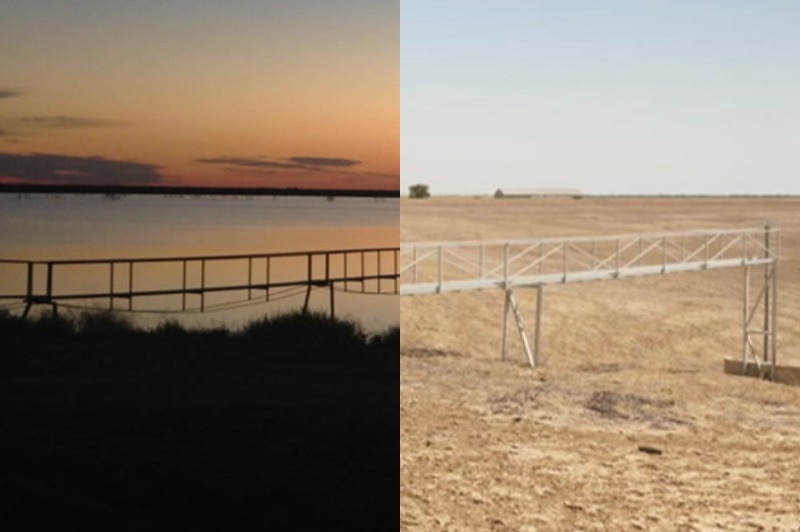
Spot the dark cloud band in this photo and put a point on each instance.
(67, 122)
(248, 163)
(8, 93)
(324, 161)
(301, 163)
(65, 169)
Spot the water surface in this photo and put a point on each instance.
(49, 227)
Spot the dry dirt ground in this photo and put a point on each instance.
(629, 366)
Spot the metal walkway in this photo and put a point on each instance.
(364, 271)
(438, 267)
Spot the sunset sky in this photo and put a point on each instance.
(263, 93)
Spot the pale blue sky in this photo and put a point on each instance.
(609, 96)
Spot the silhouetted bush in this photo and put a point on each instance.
(104, 323)
(388, 338)
(113, 340)
(310, 335)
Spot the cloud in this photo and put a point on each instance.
(292, 163)
(46, 168)
(324, 161)
(67, 122)
(249, 163)
(9, 93)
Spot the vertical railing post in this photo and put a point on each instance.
(249, 278)
(745, 316)
(29, 289)
(202, 285)
(538, 329)
(49, 281)
(767, 289)
(344, 269)
(111, 285)
(183, 284)
(363, 270)
(505, 266)
(378, 258)
(130, 285)
(266, 279)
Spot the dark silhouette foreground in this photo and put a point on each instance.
(287, 424)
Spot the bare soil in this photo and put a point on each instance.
(630, 423)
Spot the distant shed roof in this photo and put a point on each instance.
(535, 192)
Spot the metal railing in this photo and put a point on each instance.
(364, 271)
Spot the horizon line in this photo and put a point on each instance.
(26, 188)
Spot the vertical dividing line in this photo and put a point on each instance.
(130, 285)
(111, 286)
(396, 271)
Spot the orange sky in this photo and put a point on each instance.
(197, 92)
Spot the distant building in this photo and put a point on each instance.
(538, 193)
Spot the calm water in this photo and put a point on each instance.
(41, 227)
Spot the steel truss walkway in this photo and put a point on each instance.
(438, 267)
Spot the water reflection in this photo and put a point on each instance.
(171, 229)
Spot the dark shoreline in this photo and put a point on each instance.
(194, 191)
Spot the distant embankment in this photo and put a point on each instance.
(192, 191)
